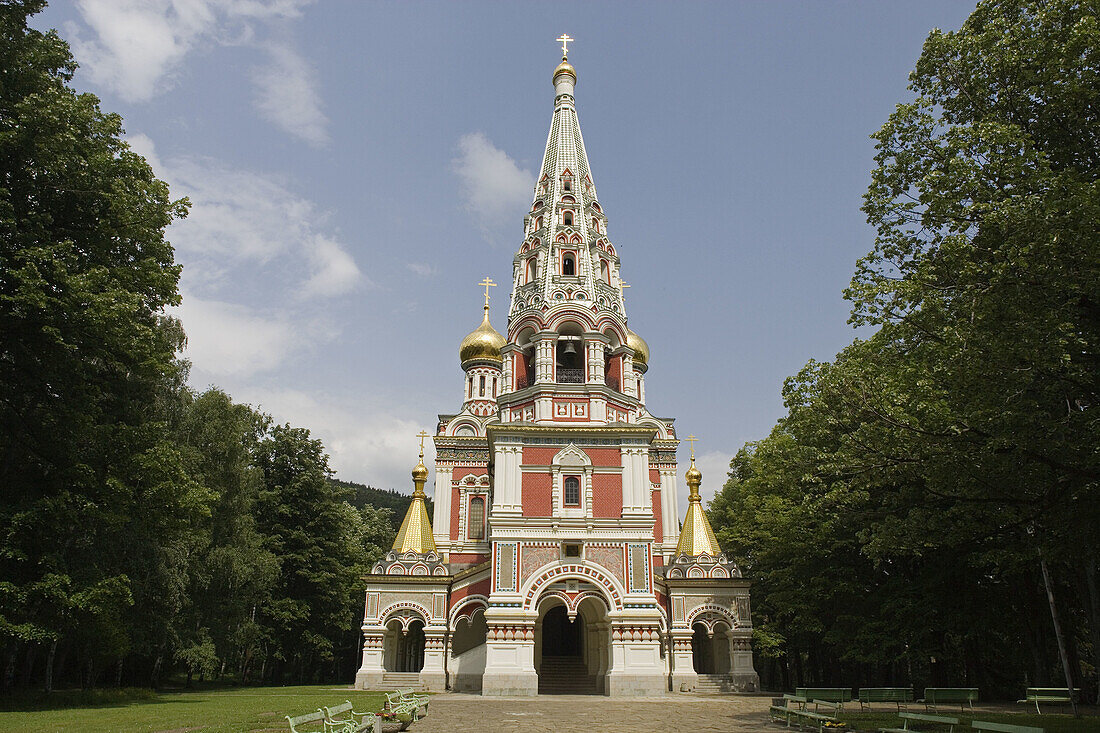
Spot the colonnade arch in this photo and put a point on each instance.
(572, 640)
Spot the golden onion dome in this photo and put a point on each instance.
(565, 68)
(484, 342)
(641, 348)
(420, 472)
(694, 477)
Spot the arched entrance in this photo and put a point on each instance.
(710, 649)
(572, 643)
(403, 646)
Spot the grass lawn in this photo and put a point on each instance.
(872, 721)
(233, 710)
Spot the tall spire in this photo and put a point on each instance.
(697, 536)
(566, 257)
(415, 534)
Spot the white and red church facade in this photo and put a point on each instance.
(555, 561)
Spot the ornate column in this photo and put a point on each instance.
(742, 671)
(684, 677)
(369, 676)
(544, 356)
(509, 656)
(432, 674)
(636, 667)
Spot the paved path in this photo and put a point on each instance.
(453, 713)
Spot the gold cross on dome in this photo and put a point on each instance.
(692, 439)
(564, 40)
(488, 284)
(422, 434)
(622, 286)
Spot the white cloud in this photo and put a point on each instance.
(495, 190)
(226, 339)
(139, 46)
(286, 94)
(423, 269)
(241, 221)
(334, 270)
(366, 443)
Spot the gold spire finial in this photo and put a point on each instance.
(696, 536)
(488, 284)
(565, 40)
(420, 473)
(692, 439)
(415, 534)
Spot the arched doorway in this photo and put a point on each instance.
(572, 645)
(710, 649)
(403, 646)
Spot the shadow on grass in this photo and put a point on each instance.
(25, 701)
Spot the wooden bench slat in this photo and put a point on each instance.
(1004, 727)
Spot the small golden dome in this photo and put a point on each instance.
(484, 342)
(694, 476)
(565, 68)
(641, 348)
(420, 472)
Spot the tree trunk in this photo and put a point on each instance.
(9, 665)
(1094, 618)
(154, 676)
(1066, 669)
(49, 665)
(118, 673)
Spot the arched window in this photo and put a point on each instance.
(567, 218)
(475, 524)
(567, 184)
(568, 264)
(538, 223)
(605, 272)
(595, 225)
(494, 387)
(532, 269)
(481, 387)
(470, 388)
(572, 491)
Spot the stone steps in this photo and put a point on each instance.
(402, 680)
(714, 684)
(565, 676)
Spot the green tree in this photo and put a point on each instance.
(958, 442)
(85, 353)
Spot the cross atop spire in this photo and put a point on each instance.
(488, 284)
(565, 40)
(423, 434)
(692, 439)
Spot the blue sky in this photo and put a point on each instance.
(356, 168)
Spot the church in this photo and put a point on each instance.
(555, 561)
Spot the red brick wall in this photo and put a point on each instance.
(607, 495)
(455, 501)
(536, 492)
(654, 476)
(658, 532)
(467, 558)
(480, 587)
(605, 456)
(538, 456)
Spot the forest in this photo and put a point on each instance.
(927, 511)
(147, 531)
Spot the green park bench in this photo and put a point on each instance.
(408, 695)
(1004, 727)
(399, 705)
(934, 696)
(826, 694)
(812, 719)
(921, 718)
(342, 717)
(313, 723)
(898, 695)
(1058, 695)
(782, 707)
